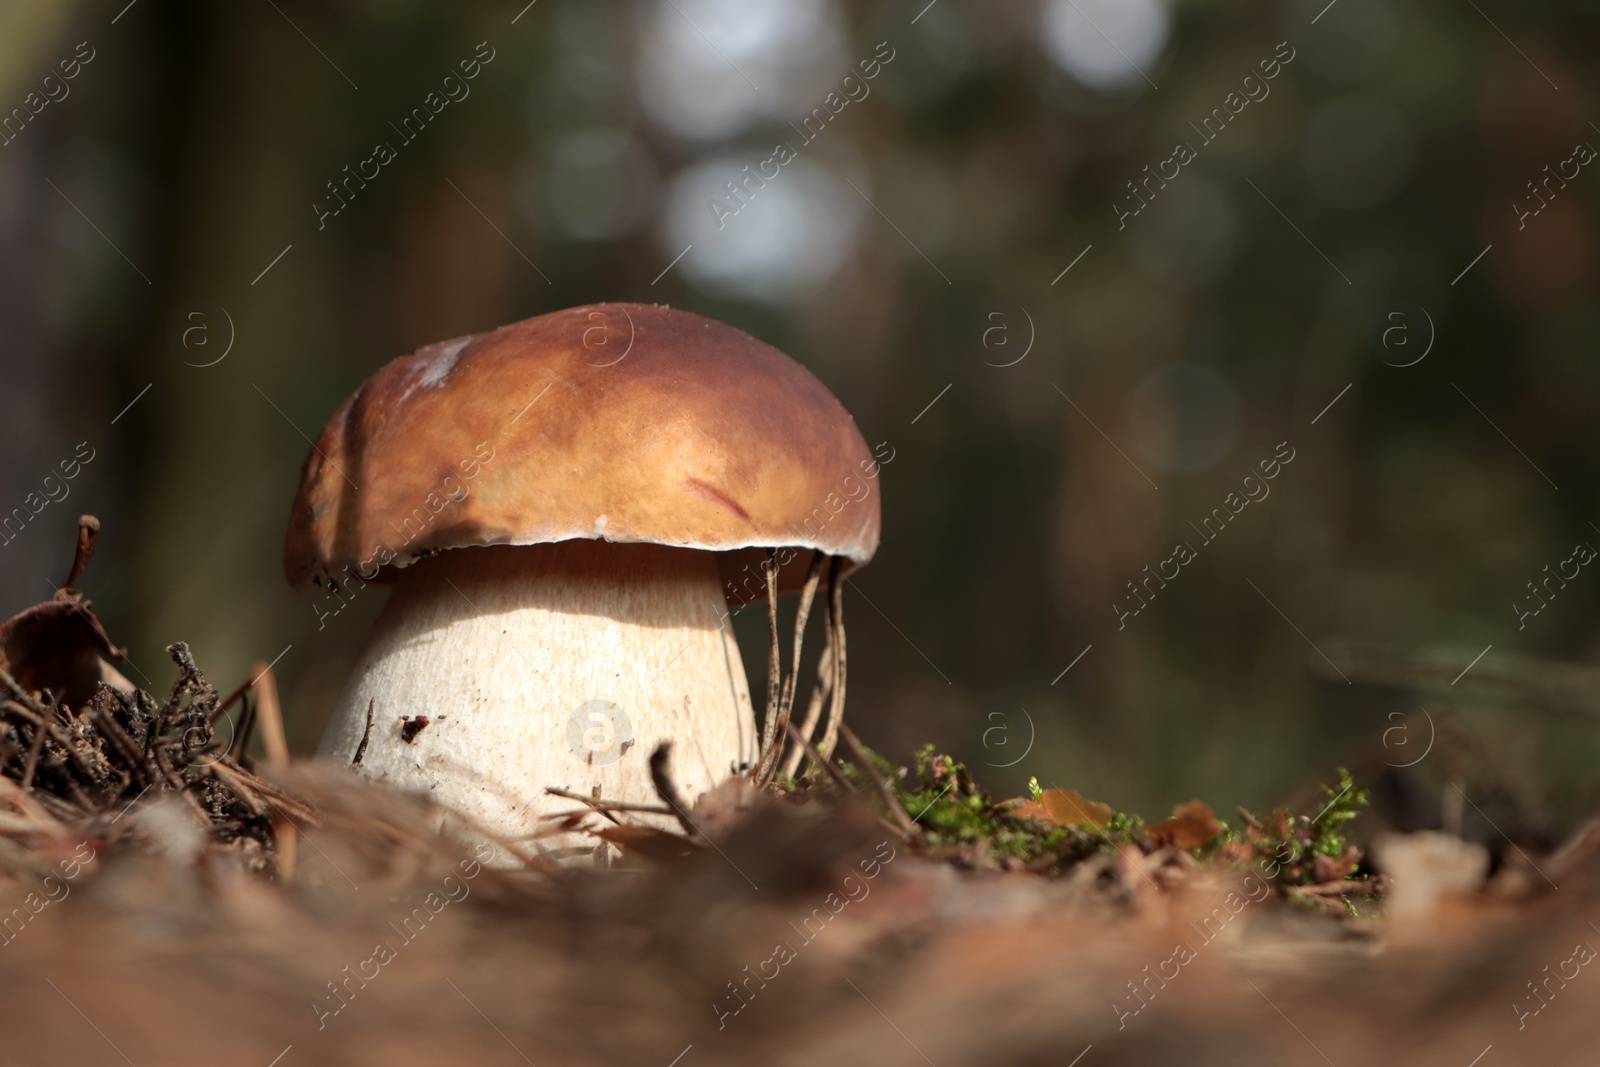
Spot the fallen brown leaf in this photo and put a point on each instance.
(1067, 808)
(1192, 825)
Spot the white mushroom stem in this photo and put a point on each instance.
(547, 665)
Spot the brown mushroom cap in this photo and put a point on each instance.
(616, 422)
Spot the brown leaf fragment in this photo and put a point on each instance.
(1066, 807)
(1023, 808)
(1192, 825)
(1331, 869)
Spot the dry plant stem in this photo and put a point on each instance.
(769, 765)
(244, 687)
(254, 800)
(667, 790)
(604, 806)
(33, 758)
(273, 741)
(233, 697)
(88, 527)
(830, 734)
(276, 747)
(174, 780)
(858, 753)
(822, 687)
(40, 720)
(284, 802)
(590, 802)
(79, 797)
(819, 695)
(19, 694)
(816, 758)
(117, 738)
(769, 728)
(243, 732)
(802, 616)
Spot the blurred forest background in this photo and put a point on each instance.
(1067, 398)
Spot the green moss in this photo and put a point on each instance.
(1344, 804)
(956, 815)
(1306, 849)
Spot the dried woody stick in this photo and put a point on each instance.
(275, 745)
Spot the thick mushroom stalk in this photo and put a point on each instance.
(494, 673)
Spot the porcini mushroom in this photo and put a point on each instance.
(569, 508)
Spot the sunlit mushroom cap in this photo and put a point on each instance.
(618, 422)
